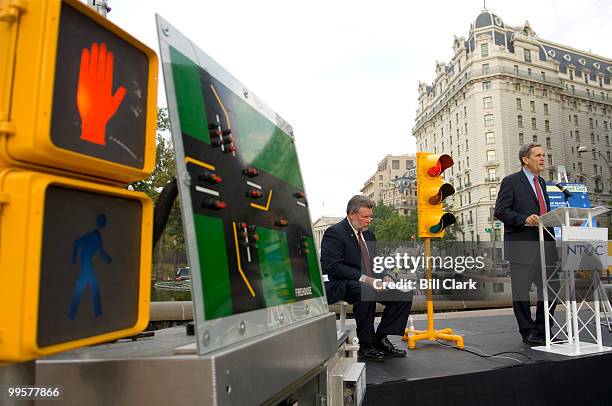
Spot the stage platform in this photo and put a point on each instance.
(433, 374)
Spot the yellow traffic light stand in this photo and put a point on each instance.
(431, 333)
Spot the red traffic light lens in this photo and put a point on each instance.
(445, 161)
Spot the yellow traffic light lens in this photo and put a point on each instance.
(445, 190)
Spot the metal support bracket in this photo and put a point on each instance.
(10, 10)
(7, 128)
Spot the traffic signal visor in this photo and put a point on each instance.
(432, 192)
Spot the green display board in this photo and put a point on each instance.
(244, 206)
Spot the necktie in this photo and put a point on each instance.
(365, 257)
(540, 195)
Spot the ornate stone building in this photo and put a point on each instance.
(393, 183)
(504, 87)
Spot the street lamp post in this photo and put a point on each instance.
(477, 229)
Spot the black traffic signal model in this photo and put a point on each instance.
(431, 192)
(77, 122)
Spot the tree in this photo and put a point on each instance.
(163, 173)
(397, 228)
(380, 213)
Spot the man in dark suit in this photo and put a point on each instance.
(522, 198)
(346, 257)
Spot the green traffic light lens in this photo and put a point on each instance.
(446, 220)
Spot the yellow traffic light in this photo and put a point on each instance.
(82, 93)
(431, 192)
(75, 263)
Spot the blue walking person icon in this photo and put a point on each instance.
(85, 248)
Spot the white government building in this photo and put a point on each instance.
(504, 87)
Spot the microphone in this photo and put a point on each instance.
(566, 192)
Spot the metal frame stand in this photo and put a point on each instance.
(567, 340)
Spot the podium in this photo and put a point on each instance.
(580, 253)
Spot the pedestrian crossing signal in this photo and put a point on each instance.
(431, 193)
(82, 94)
(75, 261)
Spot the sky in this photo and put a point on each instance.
(344, 74)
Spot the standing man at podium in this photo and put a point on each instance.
(522, 199)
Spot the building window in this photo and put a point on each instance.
(485, 68)
(550, 160)
(518, 104)
(516, 71)
(395, 164)
(548, 143)
(545, 108)
(517, 87)
(529, 71)
(594, 154)
(590, 123)
(520, 120)
(592, 138)
(491, 155)
(580, 167)
(577, 133)
(490, 138)
(486, 85)
(532, 106)
(575, 119)
(544, 93)
(533, 123)
(467, 148)
(543, 75)
(527, 54)
(531, 90)
(571, 74)
(488, 120)
(521, 140)
(586, 78)
(487, 102)
(492, 174)
(492, 192)
(547, 126)
(535, 138)
(484, 50)
(573, 89)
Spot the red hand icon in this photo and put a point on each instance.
(95, 100)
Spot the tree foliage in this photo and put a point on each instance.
(163, 173)
(398, 228)
(381, 212)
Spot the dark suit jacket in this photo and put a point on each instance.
(516, 201)
(340, 253)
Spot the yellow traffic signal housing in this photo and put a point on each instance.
(80, 94)
(75, 263)
(431, 192)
